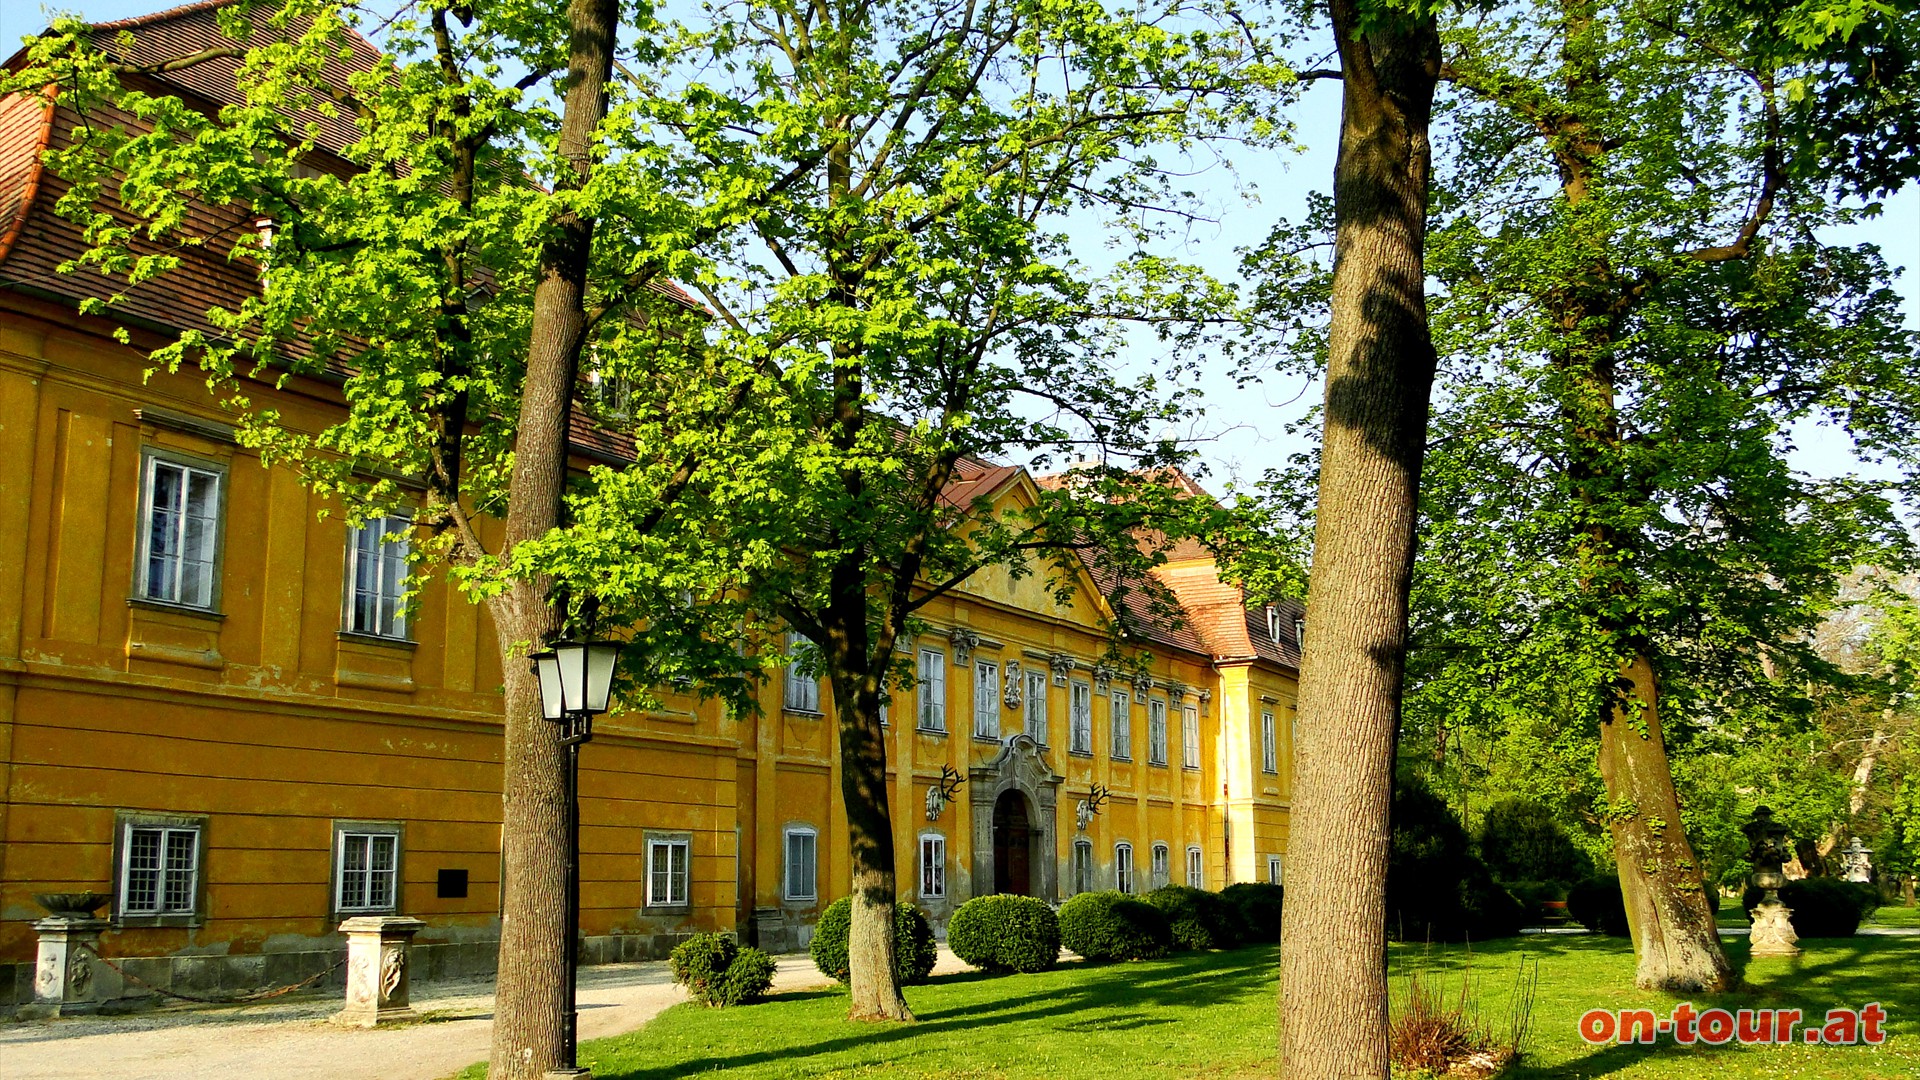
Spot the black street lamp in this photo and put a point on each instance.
(575, 680)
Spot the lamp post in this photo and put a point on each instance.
(575, 680)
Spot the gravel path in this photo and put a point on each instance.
(290, 1039)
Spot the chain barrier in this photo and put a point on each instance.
(249, 996)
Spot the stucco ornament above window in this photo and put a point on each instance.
(964, 642)
(1010, 693)
(1085, 810)
(1062, 665)
(1102, 678)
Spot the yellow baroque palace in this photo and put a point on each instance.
(213, 711)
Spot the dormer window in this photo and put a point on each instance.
(1273, 622)
(1300, 632)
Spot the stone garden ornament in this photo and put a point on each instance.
(1768, 851)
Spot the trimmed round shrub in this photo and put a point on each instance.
(1114, 926)
(1196, 918)
(1005, 933)
(914, 951)
(1819, 907)
(716, 971)
(1254, 908)
(1597, 904)
(748, 979)
(1437, 889)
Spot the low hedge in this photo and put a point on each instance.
(914, 951)
(1114, 926)
(1005, 933)
(1254, 907)
(717, 971)
(1196, 918)
(1820, 907)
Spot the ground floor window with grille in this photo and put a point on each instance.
(1274, 870)
(1162, 868)
(801, 849)
(159, 870)
(1196, 874)
(1123, 867)
(933, 866)
(366, 870)
(1082, 866)
(669, 873)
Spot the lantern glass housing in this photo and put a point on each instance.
(586, 674)
(547, 666)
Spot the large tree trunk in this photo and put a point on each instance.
(1674, 936)
(873, 980)
(1333, 1011)
(530, 1018)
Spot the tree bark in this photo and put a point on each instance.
(873, 980)
(1333, 1011)
(529, 1007)
(1675, 939)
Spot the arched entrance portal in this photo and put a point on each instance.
(1012, 845)
(1015, 823)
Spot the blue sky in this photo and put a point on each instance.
(1245, 430)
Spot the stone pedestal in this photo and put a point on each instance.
(1772, 933)
(379, 969)
(64, 982)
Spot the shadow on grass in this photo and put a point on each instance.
(1122, 1004)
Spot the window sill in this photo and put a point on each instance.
(666, 909)
(931, 731)
(979, 738)
(340, 916)
(1080, 753)
(1124, 759)
(1157, 764)
(807, 714)
(177, 609)
(150, 922)
(381, 640)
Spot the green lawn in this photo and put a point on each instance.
(1897, 915)
(1211, 1015)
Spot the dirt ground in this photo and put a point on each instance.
(291, 1038)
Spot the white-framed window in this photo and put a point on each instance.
(802, 847)
(1037, 706)
(1162, 865)
(1300, 631)
(377, 577)
(1123, 866)
(933, 866)
(1276, 871)
(1189, 736)
(179, 532)
(1196, 871)
(1121, 718)
(1156, 731)
(803, 690)
(159, 869)
(986, 699)
(1269, 749)
(933, 690)
(669, 871)
(1080, 718)
(1082, 866)
(366, 874)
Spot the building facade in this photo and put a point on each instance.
(217, 709)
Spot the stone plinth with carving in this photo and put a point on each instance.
(1772, 933)
(378, 969)
(64, 982)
